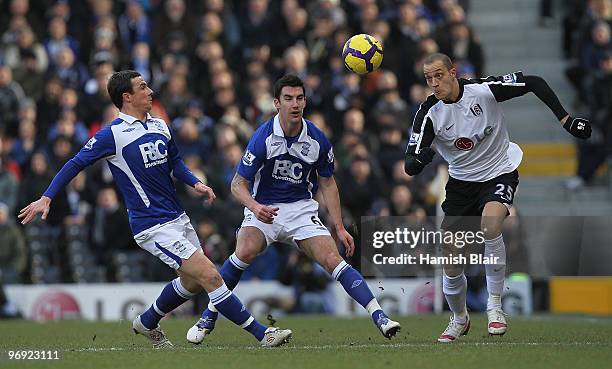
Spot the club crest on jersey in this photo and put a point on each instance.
(90, 143)
(247, 158)
(305, 148)
(464, 144)
(476, 110)
(158, 125)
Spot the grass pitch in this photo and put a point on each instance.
(319, 342)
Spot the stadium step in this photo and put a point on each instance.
(548, 159)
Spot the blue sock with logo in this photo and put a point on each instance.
(231, 271)
(172, 296)
(232, 308)
(357, 288)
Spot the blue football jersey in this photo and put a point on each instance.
(142, 157)
(284, 170)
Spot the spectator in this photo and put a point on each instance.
(10, 95)
(26, 40)
(9, 187)
(109, 225)
(13, 253)
(58, 39)
(133, 26)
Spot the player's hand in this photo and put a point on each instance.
(205, 190)
(425, 156)
(28, 213)
(347, 240)
(265, 213)
(578, 127)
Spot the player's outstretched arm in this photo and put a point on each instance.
(241, 191)
(332, 200)
(40, 206)
(516, 84)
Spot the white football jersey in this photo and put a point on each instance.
(471, 134)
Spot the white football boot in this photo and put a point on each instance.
(497, 322)
(200, 330)
(276, 337)
(387, 327)
(156, 335)
(454, 330)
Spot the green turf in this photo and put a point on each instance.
(320, 342)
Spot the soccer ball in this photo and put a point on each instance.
(362, 54)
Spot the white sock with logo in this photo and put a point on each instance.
(496, 273)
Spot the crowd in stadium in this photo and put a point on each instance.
(212, 65)
(587, 45)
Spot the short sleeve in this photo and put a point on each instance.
(325, 163)
(253, 158)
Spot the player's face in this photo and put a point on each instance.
(440, 79)
(291, 104)
(142, 98)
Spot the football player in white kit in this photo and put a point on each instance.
(143, 158)
(286, 161)
(463, 120)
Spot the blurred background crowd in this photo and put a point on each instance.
(212, 64)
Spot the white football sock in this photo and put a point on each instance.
(496, 273)
(455, 289)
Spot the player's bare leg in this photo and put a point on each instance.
(454, 286)
(493, 216)
(323, 250)
(250, 242)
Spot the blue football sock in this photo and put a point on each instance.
(172, 296)
(357, 288)
(231, 271)
(232, 308)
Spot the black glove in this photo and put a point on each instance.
(414, 163)
(425, 156)
(578, 127)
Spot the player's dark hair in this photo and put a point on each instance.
(432, 58)
(119, 83)
(287, 80)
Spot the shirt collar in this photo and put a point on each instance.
(462, 82)
(130, 119)
(278, 130)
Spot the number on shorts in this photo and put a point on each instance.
(316, 220)
(505, 192)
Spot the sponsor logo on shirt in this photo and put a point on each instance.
(286, 170)
(153, 153)
(467, 144)
(464, 144)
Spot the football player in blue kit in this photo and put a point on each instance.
(143, 158)
(286, 162)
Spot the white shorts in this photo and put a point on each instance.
(171, 242)
(295, 222)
